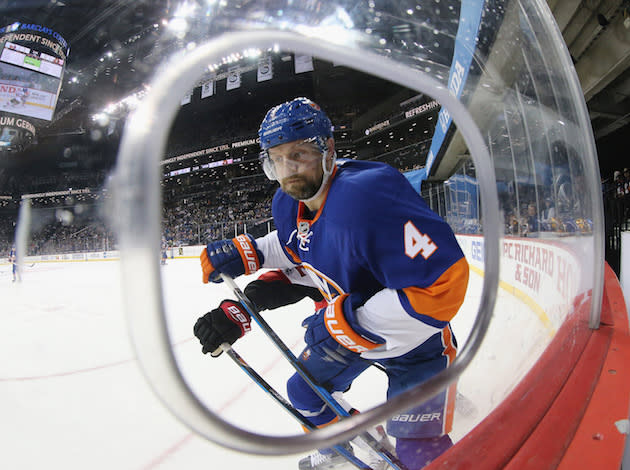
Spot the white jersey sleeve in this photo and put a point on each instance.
(383, 313)
(272, 251)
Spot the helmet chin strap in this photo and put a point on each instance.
(325, 177)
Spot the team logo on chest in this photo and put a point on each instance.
(304, 234)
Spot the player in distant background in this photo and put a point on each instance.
(14, 264)
(390, 269)
(163, 254)
(20, 97)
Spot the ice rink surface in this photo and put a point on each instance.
(72, 396)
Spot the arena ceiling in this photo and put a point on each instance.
(116, 45)
(597, 33)
(110, 45)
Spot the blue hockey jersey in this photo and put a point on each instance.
(376, 238)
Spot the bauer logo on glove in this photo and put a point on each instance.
(233, 257)
(224, 324)
(239, 317)
(248, 253)
(335, 328)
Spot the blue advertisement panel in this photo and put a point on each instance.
(465, 45)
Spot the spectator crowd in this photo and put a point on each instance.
(231, 206)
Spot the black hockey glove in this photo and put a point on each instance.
(269, 292)
(224, 324)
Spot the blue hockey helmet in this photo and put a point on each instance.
(297, 119)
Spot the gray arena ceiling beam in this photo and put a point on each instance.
(564, 11)
(605, 60)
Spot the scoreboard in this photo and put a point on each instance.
(32, 64)
(31, 59)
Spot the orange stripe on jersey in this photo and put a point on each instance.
(449, 408)
(450, 350)
(443, 298)
(248, 253)
(342, 332)
(326, 286)
(295, 257)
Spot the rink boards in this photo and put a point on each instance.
(66, 325)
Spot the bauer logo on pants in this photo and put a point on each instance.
(414, 418)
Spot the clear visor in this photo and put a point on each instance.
(287, 159)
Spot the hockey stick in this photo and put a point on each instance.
(263, 384)
(324, 394)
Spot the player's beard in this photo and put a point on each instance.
(300, 187)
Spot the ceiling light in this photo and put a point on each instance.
(185, 10)
(178, 25)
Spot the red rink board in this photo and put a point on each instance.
(568, 397)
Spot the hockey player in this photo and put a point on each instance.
(163, 254)
(14, 264)
(390, 269)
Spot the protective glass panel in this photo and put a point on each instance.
(64, 316)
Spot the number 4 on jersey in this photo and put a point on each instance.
(417, 242)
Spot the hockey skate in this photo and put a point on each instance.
(382, 442)
(378, 464)
(382, 439)
(326, 459)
